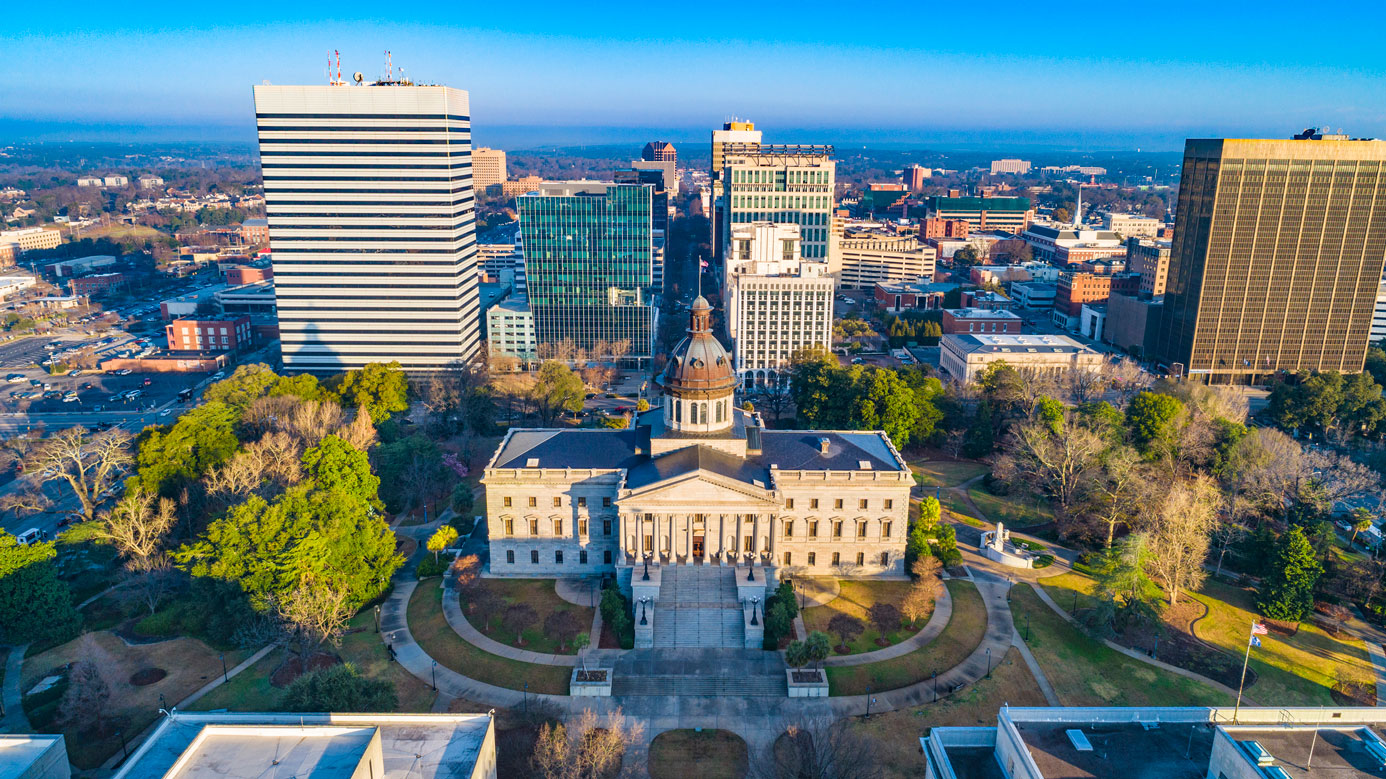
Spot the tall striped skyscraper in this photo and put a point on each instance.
(368, 190)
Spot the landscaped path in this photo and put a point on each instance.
(15, 720)
(452, 611)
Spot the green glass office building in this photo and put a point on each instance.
(589, 267)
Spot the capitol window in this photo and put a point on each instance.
(510, 527)
(534, 527)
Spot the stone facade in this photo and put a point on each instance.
(697, 481)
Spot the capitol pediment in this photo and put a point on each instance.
(701, 488)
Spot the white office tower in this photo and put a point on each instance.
(777, 303)
(368, 190)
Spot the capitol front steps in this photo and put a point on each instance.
(697, 607)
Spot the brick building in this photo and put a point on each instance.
(979, 320)
(100, 284)
(212, 334)
(937, 227)
(248, 274)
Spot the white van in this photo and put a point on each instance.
(29, 536)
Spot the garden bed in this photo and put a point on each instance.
(855, 599)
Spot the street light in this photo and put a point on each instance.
(526, 697)
(224, 676)
(868, 701)
(646, 577)
(435, 676)
(377, 618)
(935, 678)
(988, 662)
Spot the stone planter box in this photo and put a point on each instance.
(817, 687)
(595, 682)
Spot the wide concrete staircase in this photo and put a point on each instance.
(697, 607)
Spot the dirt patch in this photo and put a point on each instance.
(591, 675)
(808, 677)
(146, 676)
(291, 668)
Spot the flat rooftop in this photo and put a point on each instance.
(196, 745)
(1337, 752)
(975, 762)
(1120, 750)
(19, 753)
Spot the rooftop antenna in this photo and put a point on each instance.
(339, 66)
(329, 68)
(389, 66)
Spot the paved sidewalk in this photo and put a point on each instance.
(943, 611)
(583, 592)
(1378, 657)
(220, 680)
(452, 611)
(15, 720)
(1050, 697)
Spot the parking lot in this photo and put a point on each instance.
(91, 391)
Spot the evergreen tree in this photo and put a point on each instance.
(1288, 590)
(340, 688)
(35, 605)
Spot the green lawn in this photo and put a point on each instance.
(1014, 510)
(855, 599)
(707, 754)
(539, 594)
(944, 473)
(958, 509)
(250, 690)
(1086, 672)
(439, 640)
(965, 629)
(1298, 670)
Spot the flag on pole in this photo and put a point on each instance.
(1255, 641)
(1259, 629)
(703, 263)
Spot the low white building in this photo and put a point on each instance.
(89, 181)
(1092, 321)
(116, 181)
(963, 357)
(1033, 294)
(1132, 225)
(510, 330)
(203, 745)
(777, 304)
(15, 283)
(151, 182)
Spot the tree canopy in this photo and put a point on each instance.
(331, 537)
(171, 457)
(35, 605)
(381, 388)
(335, 464)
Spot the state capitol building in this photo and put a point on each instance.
(697, 482)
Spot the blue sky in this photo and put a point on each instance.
(1105, 75)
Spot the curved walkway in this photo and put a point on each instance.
(943, 611)
(1137, 655)
(452, 611)
(987, 655)
(15, 720)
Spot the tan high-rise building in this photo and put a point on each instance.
(741, 133)
(1278, 253)
(488, 167)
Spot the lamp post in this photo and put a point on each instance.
(435, 676)
(224, 676)
(869, 699)
(988, 662)
(124, 750)
(646, 577)
(377, 617)
(754, 603)
(935, 678)
(751, 570)
(526, 697)
(1027, 627)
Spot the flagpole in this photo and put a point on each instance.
(1237, 709)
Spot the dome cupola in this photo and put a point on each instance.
(699, 380)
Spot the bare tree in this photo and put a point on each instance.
(156, 582)
(137, 526)
(1084, 385)
(1057, 463)
(821, 751)
(84, 703)
(313, 614)
(1177, 535)
(24, 501)
(1118, 490)
(1127, 378)
(312, 420)
(89, 464)
(360, 432)
(589, 748)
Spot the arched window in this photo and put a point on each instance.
(678, 411)
(702, 415)
(721, 410)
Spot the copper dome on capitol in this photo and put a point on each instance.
(699, 364)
